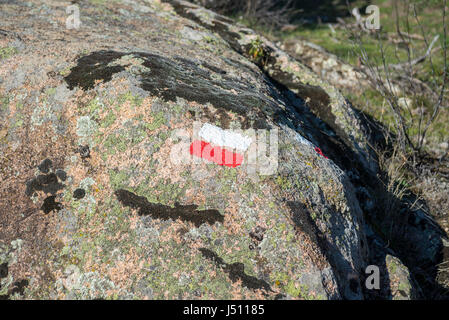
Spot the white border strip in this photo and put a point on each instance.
(303, 140)
(226, 138)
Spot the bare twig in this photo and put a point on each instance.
(417, 60)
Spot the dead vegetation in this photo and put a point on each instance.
(270, 13)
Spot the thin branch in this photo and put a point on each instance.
(417, 60)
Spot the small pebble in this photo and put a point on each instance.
(79, 193)
(84, 151)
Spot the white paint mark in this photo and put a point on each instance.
(226, 138)
(303, 140)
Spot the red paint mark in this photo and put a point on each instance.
(218, 155)
(318, 150)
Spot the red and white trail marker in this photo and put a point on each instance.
(213, 144)
(224, 138)
(220, 156)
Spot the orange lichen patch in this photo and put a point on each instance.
(236, 290)
(313, 254)
(89, 262)
(194, 196)
(166, 168)
(233, 221)
(123, 271)
(10, 66)
(134, 222)
(78, 173)
(170, 232)
(4, 42)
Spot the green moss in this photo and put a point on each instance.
(109, 144)
(120, 140)
(158, 121)
(298, 291)
(19, 122)
(4, 103)
(284, 183)
(50, 91)
(101, 2)
(171, 258)
(178, 109)
(94, 107)
(210, 40)
(108, 120)
(114, 143)
(241, 255)
(128, 96)
(226, 178)
(393, 267)
(292, 289)
(7, 52)
(65, 72)
(247, 188)
(118, 179)
(169, 192)
(279, 278)
(121, 146)
(405, 287)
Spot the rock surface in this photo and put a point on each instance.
(102, 194)
(399, 276)
(340, 74)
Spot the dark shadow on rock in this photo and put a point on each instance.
(414, 237)
(377, 257)
(343, 271)
(159, 211)
(48, 183)
(412, 234)
(375, 130)
(236, 272)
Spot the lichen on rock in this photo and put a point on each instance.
(115, 217)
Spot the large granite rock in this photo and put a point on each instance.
(100, 196)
